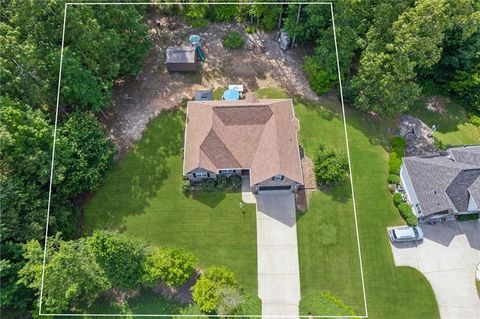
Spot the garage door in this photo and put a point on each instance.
(271, 188)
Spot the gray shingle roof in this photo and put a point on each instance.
(466, 155)
(443, 183)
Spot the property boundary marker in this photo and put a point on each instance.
(53, 161)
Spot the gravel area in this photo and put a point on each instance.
(418, 143)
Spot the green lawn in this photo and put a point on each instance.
(326, 233)
(453, 127)
(142, 197)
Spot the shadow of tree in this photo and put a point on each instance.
(137, 177)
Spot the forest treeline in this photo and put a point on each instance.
(389, 52)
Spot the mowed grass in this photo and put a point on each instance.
(326, 233)
(142, 198)
(453, 127)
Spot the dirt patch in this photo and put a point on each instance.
(120, 296)
(437, 104)
(260, 64)
(182, 294)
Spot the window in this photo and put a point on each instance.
(227, 171)
(277, 178)
(202, 174)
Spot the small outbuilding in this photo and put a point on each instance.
(181, 59)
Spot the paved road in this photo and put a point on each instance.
(277, 254)
(447, 257)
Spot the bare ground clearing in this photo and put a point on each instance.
(260, 64)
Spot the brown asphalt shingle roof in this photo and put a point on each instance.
(260, 136)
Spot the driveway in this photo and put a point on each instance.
(447, 257)
(277, 254)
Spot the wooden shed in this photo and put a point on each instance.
(181, 59)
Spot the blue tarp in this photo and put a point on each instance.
(231, 95)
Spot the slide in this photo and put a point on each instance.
(201, 55)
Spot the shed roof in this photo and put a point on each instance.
(260, 136)
(180, 55)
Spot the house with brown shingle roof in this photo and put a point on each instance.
(255, 137)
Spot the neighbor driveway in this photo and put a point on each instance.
(277, 254)
(447, 257)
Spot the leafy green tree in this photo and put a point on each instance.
(84, 154)
(329, 167)
(14, 297)
(173, 266)
(120, 257)
(207, 289)
(72, 277)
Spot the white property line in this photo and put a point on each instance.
(349, 163)
(53, 160)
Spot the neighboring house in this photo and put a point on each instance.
(255, 137)
(444, 185)
(181, 59)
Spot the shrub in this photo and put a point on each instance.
(186, 186)
(397, 199)
(474, 119)
(396, 155)
(231, 300)
(250, 29)
(206, 292)
(393, 179)
(207, 185)
(324, 303)
(235, 182)
(233, 40)
(320, 80)
(329, 167)
(407, 214)
(222, 182)
(173, 266)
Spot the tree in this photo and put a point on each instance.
(207, 289)
(329, 167)
(173, 266)
(84, 154)
(120, 257)
(384, 83)
(72, 276)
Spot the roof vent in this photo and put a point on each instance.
(251, 98)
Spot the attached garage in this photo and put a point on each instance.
(271, 188)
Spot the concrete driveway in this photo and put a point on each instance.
(277, 254)
(447, 257)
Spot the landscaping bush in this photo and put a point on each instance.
(250, 29)
(206, 292)
(235, 182)
(173, 266)
(186, 186)
(329, 167)
(397, 199)
(207, 185)
(222, 182)
(396, 155)
(474, 119)
(393, 179)
(324, 303)
(320, 80)
(467, 217)
(407, 214)
(233, 40)
(231, 300)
